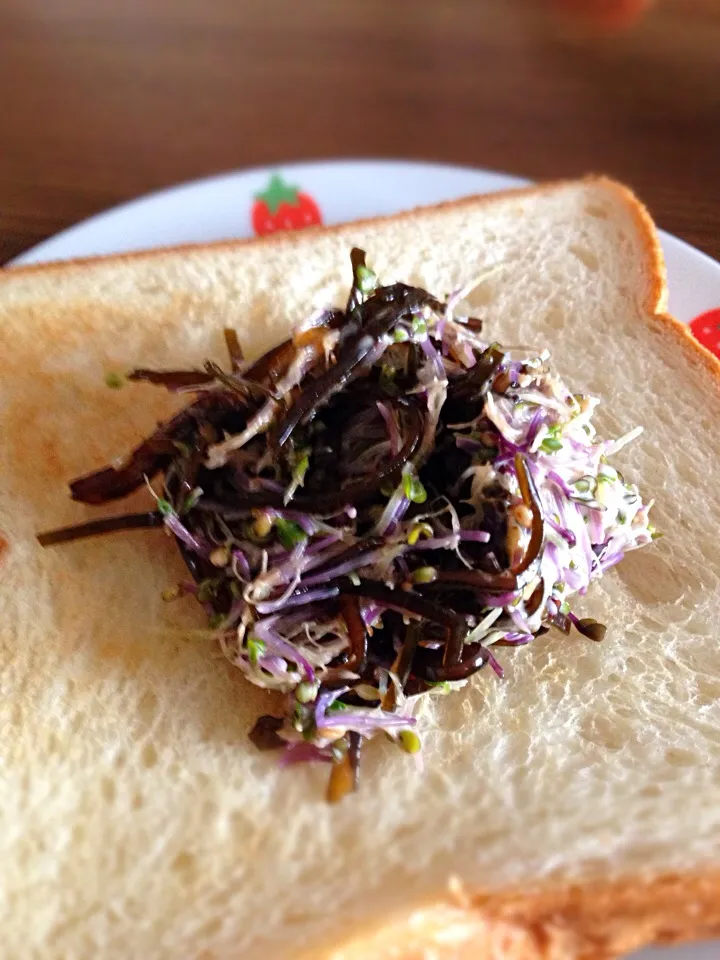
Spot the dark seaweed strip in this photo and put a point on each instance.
(95, 528)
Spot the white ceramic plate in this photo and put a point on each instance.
(226, 207)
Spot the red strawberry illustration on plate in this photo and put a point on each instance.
(706, 328)
(282, 207)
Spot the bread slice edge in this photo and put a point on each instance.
(599, 920)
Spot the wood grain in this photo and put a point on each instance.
(104, 101)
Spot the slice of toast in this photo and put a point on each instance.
(570, 811)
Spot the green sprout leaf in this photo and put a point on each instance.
(367, 280)
(551, 444)
(114, 380)
(165, 507)
(256, 648)
(191, 500)
(290, 533)
(410, 741)
(413, 488)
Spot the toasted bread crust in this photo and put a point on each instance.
(598, 920)
(606, 919)
(657, 301)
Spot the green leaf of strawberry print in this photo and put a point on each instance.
(283, 207)
(277, 192)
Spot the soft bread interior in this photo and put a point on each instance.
(136, 819)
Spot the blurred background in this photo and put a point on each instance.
(103, 101)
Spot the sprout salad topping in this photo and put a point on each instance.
(372, 508)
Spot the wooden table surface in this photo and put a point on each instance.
(103, 101)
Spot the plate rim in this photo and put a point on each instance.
(430, 166)
(27, 257)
